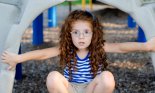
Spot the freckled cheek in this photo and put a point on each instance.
(74, 40)
(89, 41)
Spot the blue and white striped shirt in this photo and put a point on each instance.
(83, 73)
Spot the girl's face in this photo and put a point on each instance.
(81, 34)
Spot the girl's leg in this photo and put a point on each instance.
(103, 83)
(57, 83)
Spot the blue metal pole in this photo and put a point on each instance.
(131, 22)
(18, 75)
(70, 6)
(52, 17)
(141, 35)
(38, 30)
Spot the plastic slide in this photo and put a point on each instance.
(15, 17)
(143, 11)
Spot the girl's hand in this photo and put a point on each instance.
(10, 58)
(151, 45)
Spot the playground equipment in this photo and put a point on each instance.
(84, 5)
(143, 12)
(52, 19)
(16, 16)
(131, 22)
(141, 35)
(38, 30)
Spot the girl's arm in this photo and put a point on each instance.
(130, 46)
(125, 47)
(12, 59)
(39, 54)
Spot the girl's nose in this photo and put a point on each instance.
(81, 35)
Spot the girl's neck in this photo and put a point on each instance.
(82, 53)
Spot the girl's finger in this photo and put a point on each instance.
(11, 68)
(3, 60)
(3, 57)
(3, 54)
(6, 52)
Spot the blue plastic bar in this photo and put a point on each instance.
(52, 17)
(18, 75)
(70, 6)
(141, 35)
(131, 22)
(38, 30)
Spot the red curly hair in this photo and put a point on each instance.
(68, 50)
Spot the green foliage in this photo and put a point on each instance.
(78, 2)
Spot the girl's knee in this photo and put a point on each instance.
(52, 78)
(56, 82)
(107, 79)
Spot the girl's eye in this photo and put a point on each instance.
(75, 32)
(87, 32)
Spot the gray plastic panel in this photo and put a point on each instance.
(16, 16)
(144, 15)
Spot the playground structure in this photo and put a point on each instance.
(143, 12)
(16, 16)
(20, 13)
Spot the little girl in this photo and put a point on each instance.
(82, 52)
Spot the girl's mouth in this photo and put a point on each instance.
(81, 43)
